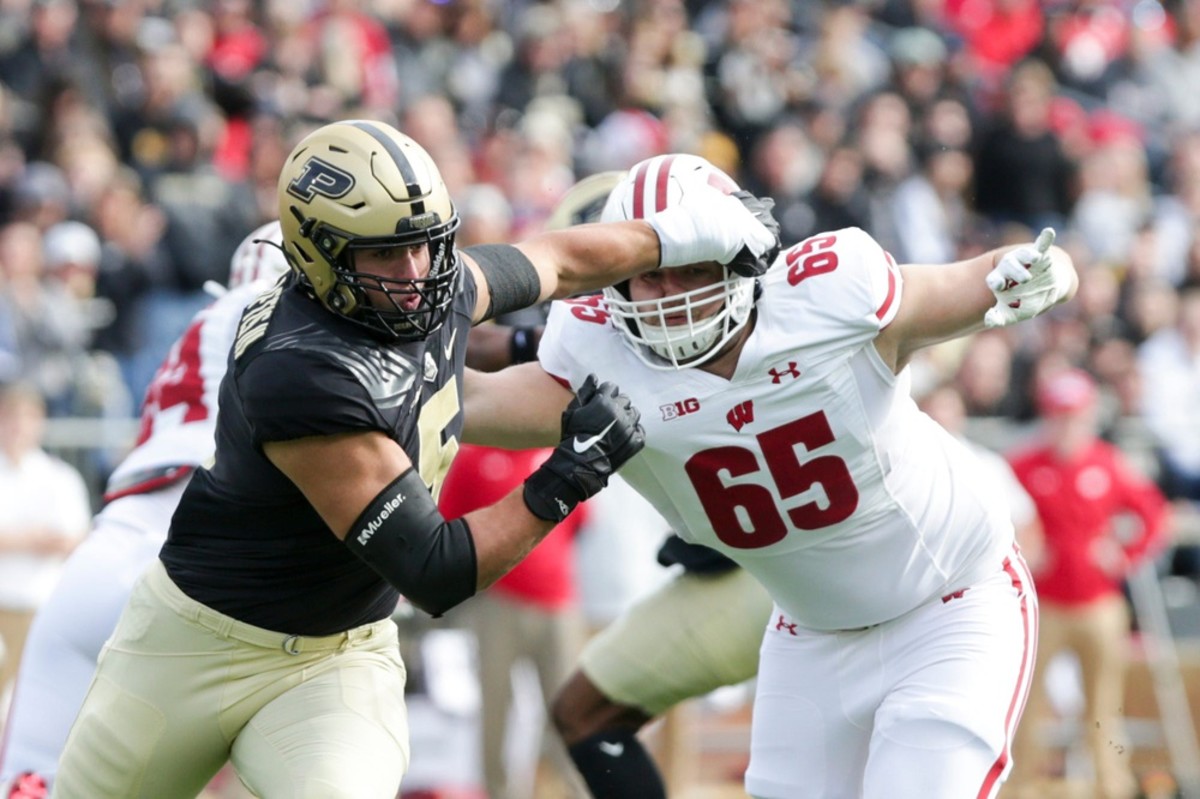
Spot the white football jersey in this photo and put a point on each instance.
(812, 467)
(179, 412)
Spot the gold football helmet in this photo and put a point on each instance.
(584, 201)
(357, 185)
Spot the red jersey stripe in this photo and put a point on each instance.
(886, 305)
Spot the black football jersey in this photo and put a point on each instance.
(244, 540)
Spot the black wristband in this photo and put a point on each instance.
(523, 345)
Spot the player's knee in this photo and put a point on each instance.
(580, 710)
(566, 717)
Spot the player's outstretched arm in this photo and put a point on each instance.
(515, 408)
(600, 431)
(708, 225)
(997, 288)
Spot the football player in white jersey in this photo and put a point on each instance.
(653, 657)
(176, 435)
(780, 432)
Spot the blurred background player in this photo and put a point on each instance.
(176, 435)
(44, 512)
(1087, 494)
(531, 615)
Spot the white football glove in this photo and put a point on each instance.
(709, 225)
(1026, 282)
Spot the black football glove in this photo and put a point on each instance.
(600, 431)
(745, 263)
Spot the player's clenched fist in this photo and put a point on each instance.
(600, 431)
(707, 224)
(748, 262)
(1028, 280)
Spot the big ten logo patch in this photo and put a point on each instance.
(673, 410)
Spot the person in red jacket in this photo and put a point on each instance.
(532, 613)
(1084, 490)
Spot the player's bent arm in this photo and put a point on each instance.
(379, 506)
(339, 475)
(492, 347)
(516, 408)
(381, 509)
(945, 301)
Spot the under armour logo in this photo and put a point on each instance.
(954, 595)
(791, 371)
(741, 415)
(783, 625)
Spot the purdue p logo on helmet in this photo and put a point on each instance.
(358, 185)
(320, 177)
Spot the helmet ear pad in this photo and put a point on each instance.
(358, 185)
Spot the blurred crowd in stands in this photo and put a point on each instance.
(140, 140)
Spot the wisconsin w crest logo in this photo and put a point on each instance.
(741, 415)
(321, 177)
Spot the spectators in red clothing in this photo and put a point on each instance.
(1082, 486)
(998, 33)
(353, 55)
(481, 476)
(529, 614)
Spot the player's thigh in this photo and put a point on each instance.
(64, 642)
(343, 733)
(150, 724)
(92, 590)
(695, 634)
(814, 700)
(963, 668)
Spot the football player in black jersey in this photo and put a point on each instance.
(262, 635)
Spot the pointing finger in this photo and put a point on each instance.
(1044, 240)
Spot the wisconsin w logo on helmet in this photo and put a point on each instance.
(321, 177)
(358, 186)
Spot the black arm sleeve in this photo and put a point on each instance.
(403, 537)
(513, 282)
